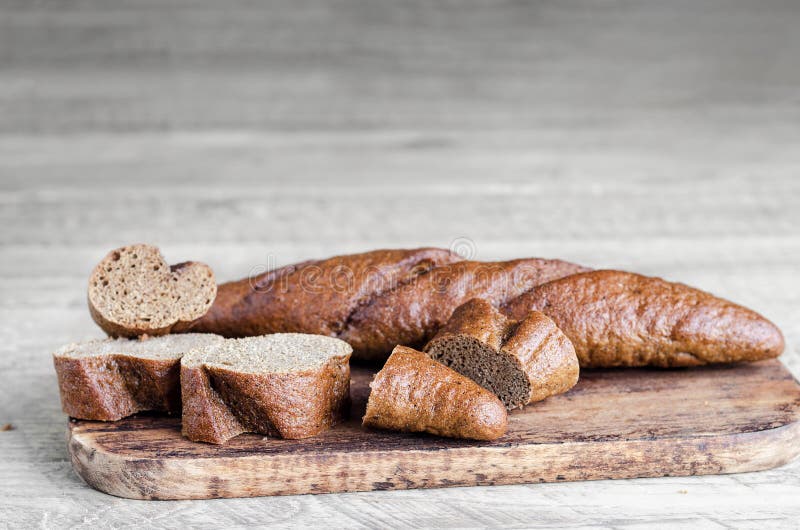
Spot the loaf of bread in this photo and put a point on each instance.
(133, 292)
(380, 299)
(414, 393)
(288, 384)
(616, 318)
(519, 361)
(111, 379)
(315, 297)
(373, 300)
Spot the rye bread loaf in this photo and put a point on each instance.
(133, 291)
(111, 379)
(411, 314)
(315, 297)
(414, 393)
(519, 361)
(290, 385)
(421, 295)
(616, 318)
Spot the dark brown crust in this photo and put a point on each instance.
(314, 297)
(415, 393)
(411, 314)
(619, 318)
(219, 404)
(534, 345)
(547, 355)
(111, 387)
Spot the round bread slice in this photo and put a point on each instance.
(291, 385)
(520, 362)
(112, 378)
(134, 292)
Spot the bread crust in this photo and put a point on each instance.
(411, 314)
(315, 297)
(540, 351)
(414, 393)
(220, 403)
(111, 387)
(616, 318)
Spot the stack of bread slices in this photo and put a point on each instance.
(291, 385)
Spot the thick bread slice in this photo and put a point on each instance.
(616, 318)
(519, 362)
(133, 292)
(412, 392)
(110, 379)
(411, 314)
(290, 385)
(315, 296)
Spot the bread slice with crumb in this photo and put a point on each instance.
(412, 392)
(519, 361)
(110, 379)
(290, 385)
(134, 292)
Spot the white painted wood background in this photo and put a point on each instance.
(660, 137)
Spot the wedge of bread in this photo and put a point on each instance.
(110, 379)
(134, 292)
(290, 385)
(415, 393)
(519, 362)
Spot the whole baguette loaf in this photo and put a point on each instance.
(315, 297)
(373, 300)
(404, 297)
(519, 361)
(616, 318)
(412, 392)
(110, 379)
(290, 385)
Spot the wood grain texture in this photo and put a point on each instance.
(613, 424)
(650, 136)
(361, 64)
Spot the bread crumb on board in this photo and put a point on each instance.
(7, 427)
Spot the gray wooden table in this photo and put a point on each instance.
(652, 136)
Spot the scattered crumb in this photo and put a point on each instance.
(683, 492)
(7, 427)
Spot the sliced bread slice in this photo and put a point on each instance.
(291, 385)
(415, 393)
(110, 379)
(519, 362)
(133, 292)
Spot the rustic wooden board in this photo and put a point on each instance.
(614, 424)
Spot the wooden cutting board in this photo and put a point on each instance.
(613, 424)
